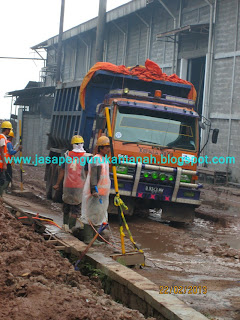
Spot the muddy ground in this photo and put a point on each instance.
(205, 253)
(37, 283)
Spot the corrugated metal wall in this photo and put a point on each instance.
(225, 84)
(35, 129)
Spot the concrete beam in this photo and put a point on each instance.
(224, 116)
(224, 55)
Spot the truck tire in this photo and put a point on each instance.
(129, 202)
(178, 212)
(56, 194)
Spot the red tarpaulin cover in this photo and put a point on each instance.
(150, 72)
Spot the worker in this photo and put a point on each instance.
(6, 127)
(73, 175)
(96, 190)
(11, 152)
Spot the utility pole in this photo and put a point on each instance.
(100, 30)
(59, 48)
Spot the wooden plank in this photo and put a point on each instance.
(62, 248)
(53, 241)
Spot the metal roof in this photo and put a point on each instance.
(28, 96)
(112, 15)
(27, 92)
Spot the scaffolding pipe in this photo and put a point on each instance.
(177, 37)
(174, 27)
(208, 74)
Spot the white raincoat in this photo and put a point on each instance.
(92, 209)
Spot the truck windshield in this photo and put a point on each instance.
(156, 128)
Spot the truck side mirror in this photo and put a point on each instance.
(215, 135)
(100, 121)
(202, 125)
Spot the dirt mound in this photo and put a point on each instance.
(37, 283)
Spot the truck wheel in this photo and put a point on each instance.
(56, 194)
(130, 203)
(178, 212)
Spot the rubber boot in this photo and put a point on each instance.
(97, 243)
(78, 233)
(6, 186)
(72, 221)
(65, 228)
(88, 233)
(1, 191)
(3, 187)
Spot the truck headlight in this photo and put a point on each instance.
(154, 175)
(146, 174)
(162, 177)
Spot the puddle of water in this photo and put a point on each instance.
(233, 241)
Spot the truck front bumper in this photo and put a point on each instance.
(132, 185)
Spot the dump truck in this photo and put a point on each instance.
(154, 121)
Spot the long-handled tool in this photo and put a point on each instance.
(102, 227)
(117, 200)
(114, 170)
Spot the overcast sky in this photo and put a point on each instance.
(25, 23)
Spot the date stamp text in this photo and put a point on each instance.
(183, 289)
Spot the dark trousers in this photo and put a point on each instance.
(2, 181)
(70, 214)
(9, 173)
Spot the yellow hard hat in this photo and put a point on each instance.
(103, 141)
(11, 134)
(77, 139)
(6, 125)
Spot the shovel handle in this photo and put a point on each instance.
(101, 228)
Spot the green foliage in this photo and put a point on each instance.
(88, 270)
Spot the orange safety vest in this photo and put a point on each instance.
(8, 154)
(104, 181)
(73, 171)
(2, 136)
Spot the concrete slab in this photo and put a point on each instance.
(171, 307)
